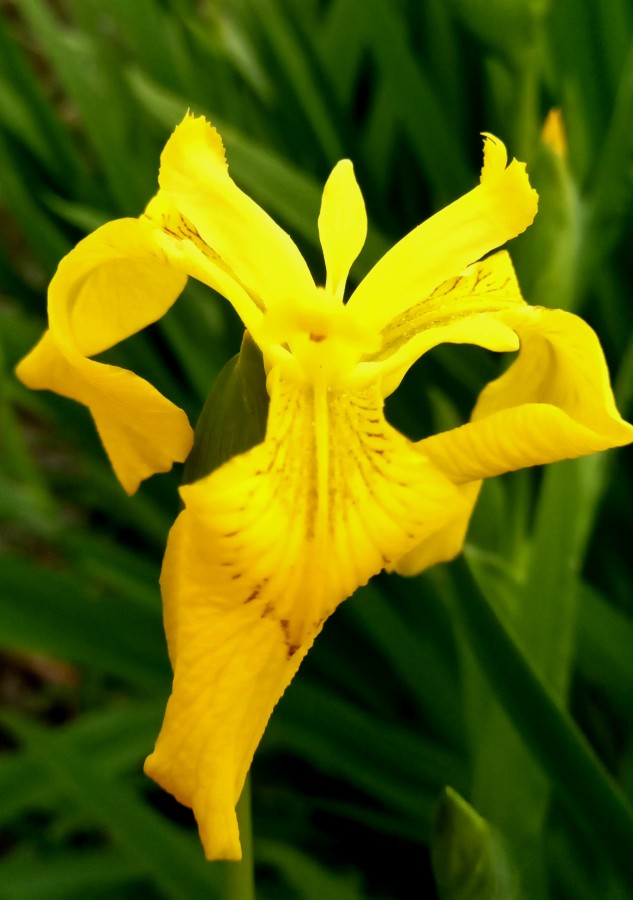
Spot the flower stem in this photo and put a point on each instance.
(239, 877)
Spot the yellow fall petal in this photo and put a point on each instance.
(499, 208)
(446, 543)
(342, 225)
(554, 402)
(115, 282)
(230, 668)
(259, 253)
(112, 284)
(119, 279)
(141, 430)
(267, 547)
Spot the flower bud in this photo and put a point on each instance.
(466, 853)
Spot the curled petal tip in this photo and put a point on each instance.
(495, 156)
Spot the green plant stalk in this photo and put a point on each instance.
(553, 738)
(239, 877)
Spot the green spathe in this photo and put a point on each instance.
(233, 418)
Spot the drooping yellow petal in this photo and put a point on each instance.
(342, 225)
(462, 310)
(267, 547)
(112, 284)
(141, 430)
(446, 543)
(258, 252)
(499, 208)
(554, 402)
(119, 279)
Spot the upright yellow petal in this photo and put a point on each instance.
(342, 225)
(499, 208)
(258, 252)
(267, 547)
(554, 402)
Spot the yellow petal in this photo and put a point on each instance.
(179, 242)
(342, 225)
(268, 545)
(257, 251)
(446, 543)
(115, 281)
(112, 284)
(498, 209)
(119, 279)
(462, 310)
(554, 402)
(141, 430)
(495, 157)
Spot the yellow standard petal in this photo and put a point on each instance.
(342, 226)
(499, 208)
(554, 402)
(267, 547)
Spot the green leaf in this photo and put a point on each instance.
(554, 739)
(95, 84)
(67, 876)
(611, 194)
(48, 242)
(294, 62)
(58, 614)
(28, 114)
(420, 112)
(386, 761)
(308, 879)
(605, 639)
(509, 26)
(148, 840)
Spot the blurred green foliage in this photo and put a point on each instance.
(509, 680)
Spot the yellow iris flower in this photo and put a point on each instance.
(272, 541)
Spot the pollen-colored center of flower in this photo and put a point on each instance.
(323, 335)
